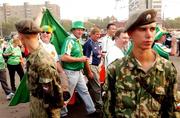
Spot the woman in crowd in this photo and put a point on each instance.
(14, 54)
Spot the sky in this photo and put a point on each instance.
(171, 8)
(85, 9)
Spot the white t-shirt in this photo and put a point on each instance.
(50, 49)
(113, 54)
(107, 42)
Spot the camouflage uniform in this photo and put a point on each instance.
(41, 69)
(131, 92)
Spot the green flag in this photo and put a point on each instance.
(22, 93)
(59, 33)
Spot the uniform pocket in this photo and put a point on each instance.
(160, 90)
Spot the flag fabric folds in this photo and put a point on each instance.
(22, 93)
(59, 33)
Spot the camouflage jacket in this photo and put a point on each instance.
(41, 69)
(130, 92)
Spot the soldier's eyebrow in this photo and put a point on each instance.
(152, 27)
(148, 25)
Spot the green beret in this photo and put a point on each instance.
(27, 26)
(139, 18)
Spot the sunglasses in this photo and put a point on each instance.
(46, 32)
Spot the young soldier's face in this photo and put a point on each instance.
(143, 36)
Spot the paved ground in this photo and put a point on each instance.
(176, 61)
(19, 111)
(22, 110)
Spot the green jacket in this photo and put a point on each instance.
(73, 48)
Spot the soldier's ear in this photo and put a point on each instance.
(129, 34)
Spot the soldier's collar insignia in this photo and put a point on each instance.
(148, 17)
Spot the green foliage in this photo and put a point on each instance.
(66, 24)
(8, 26)
(99, 22)
(172, 23)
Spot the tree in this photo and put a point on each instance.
(66, 24)
(99, 22)
(8, 26)
(172, 23)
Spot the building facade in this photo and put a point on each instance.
(27, 10)
(143, 4)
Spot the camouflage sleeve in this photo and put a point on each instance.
(168, 103)
(47, 71)
(109, 93)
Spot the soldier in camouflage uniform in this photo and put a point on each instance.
(41, 70)
(142, 84)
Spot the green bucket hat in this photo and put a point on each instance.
(78, 25)
(159, 33)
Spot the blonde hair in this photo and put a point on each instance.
(95, 30)
(16, 40)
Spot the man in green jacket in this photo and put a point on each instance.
(73, 62)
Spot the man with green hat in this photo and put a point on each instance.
(73, 62)
(77, 25)
(142, 84)
(159, 46)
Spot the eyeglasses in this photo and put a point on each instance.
(46, 32)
